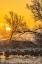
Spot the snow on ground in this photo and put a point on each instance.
(28, 36)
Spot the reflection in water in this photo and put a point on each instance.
(4, 58)
(27, 59)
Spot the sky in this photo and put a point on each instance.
(19, 7)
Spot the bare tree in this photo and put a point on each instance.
(16, 22)
(36, 9)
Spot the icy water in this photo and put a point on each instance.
(26, 59)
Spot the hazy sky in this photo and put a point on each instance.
(17, 6)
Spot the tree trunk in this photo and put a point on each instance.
(9, 41)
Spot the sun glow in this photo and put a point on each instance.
(8, 28)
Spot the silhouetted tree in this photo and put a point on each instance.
(37, 27)
(16, 22)
(36, 9)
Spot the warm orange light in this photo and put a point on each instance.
(8, 28)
